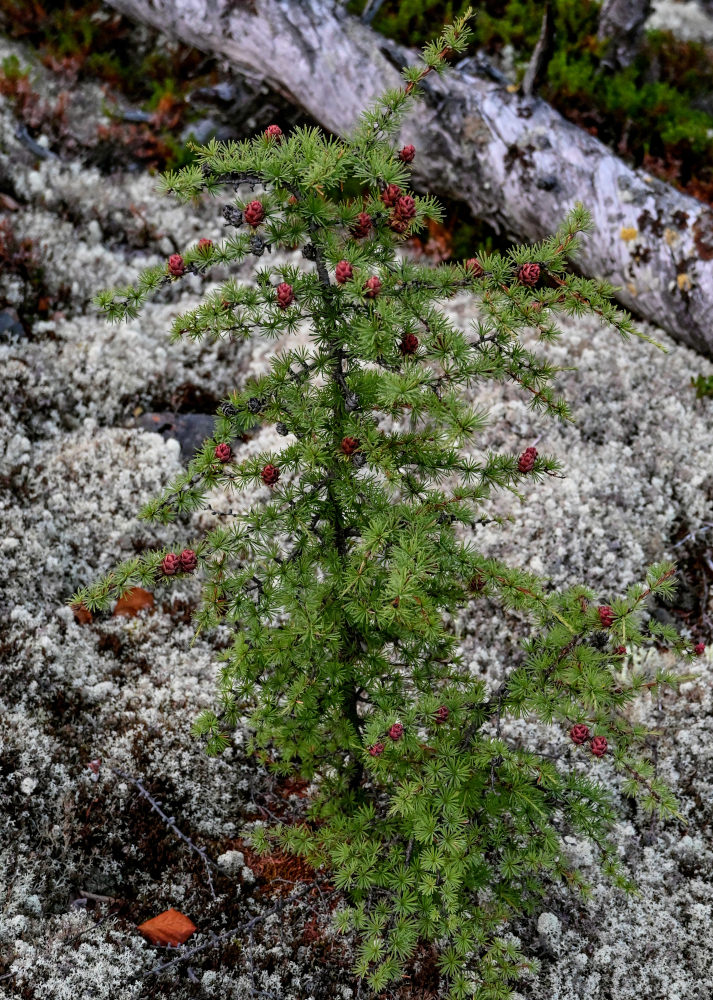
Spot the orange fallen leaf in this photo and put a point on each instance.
(437, 245)
(133, 601)
(82, 615)
(169, 927)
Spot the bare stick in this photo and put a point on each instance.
(217, 939)
(170, 823)
(543, 51)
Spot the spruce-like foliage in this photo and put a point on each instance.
(435, 823)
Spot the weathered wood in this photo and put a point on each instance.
(537, 67)
(621, 22)
(514, 160)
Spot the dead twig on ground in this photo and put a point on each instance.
(171, 824)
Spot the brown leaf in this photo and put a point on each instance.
(438, 244)
(8, 203)
(169, 927)
(133, 601)
(82, 615)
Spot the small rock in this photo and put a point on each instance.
(232, 862)
(189, 429)
(10, 323)
(28, 785)
(550, 930)
(94, 232)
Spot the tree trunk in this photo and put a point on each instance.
(514, 160)
(621, 22)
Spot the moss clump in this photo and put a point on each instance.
(703, 384)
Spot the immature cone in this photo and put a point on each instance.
(620, 650)
(282, 429)
(598, 746)
(270, 474)
(204, 244)
(170, 564)
(526, 462)
(274, 132)
(409, 343)
(391, 195)
(441, 714)
(396, 731)
(223, 452)
(285, 295)
(407, 154)
(529, 274)
(254, 213)
(349, 445)
(372, 287)
(579, 734)
(176, 265)
(474, 266)
(405, 208)
(376, 750)
(343, 272)
(477, 583)
(606, 615)
(362, 226)
(699, 649)
(232, 215)
(254, 404)
(189, 560)
(397, 225)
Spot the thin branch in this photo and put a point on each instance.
(543, 51)
(217, 939)
(170, 823)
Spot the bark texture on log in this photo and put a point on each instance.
(514, 160)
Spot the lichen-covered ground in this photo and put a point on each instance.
(78, 458)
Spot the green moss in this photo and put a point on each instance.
(703, 384)
(11, 70)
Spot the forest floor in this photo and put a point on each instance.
(95, 419)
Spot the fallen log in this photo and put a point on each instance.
(514, 160)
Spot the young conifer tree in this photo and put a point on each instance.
(436, 824)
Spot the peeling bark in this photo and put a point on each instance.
(513, 159)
